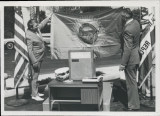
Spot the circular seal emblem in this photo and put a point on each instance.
(88, 33)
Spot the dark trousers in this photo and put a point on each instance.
(35, 74)
(132, 89)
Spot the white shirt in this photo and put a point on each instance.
(129, 21)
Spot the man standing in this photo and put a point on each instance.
(36, 49)
(130, 57)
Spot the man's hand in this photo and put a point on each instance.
(50, 15)
(121, 68)
(35, 65)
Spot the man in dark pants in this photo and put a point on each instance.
(36, 49)
(130, 57)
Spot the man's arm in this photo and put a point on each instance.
(44, 22)
(127, 47)
(30, 51)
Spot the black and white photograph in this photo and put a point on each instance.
(80, 58)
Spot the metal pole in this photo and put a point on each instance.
(17, 93)
(37, 13)
(151, 95)
(31, 77)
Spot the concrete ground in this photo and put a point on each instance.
(117, 105)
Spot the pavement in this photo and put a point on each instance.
(147, 105)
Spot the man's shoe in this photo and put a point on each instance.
(129, 109)
(37, 98)
(40, 94)
(125, 109)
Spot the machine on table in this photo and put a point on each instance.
(77, 93)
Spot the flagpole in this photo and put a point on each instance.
(145, 78)
(151, 92)
(17, 93)
(37, 13)
(53, 55)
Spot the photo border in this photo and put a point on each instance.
(148, 3)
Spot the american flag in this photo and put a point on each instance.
(21, 55)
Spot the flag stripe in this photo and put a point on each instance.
(145, 44)
(146, 61)
(17, 57)
(19, 24)
(21, 75)
(18, 66)
(21, 52)
(20, 36)
(18, 19)
(19, 30)
(26, 73)
(20, 43)
(24, 62)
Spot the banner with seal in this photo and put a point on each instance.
(99, 31)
